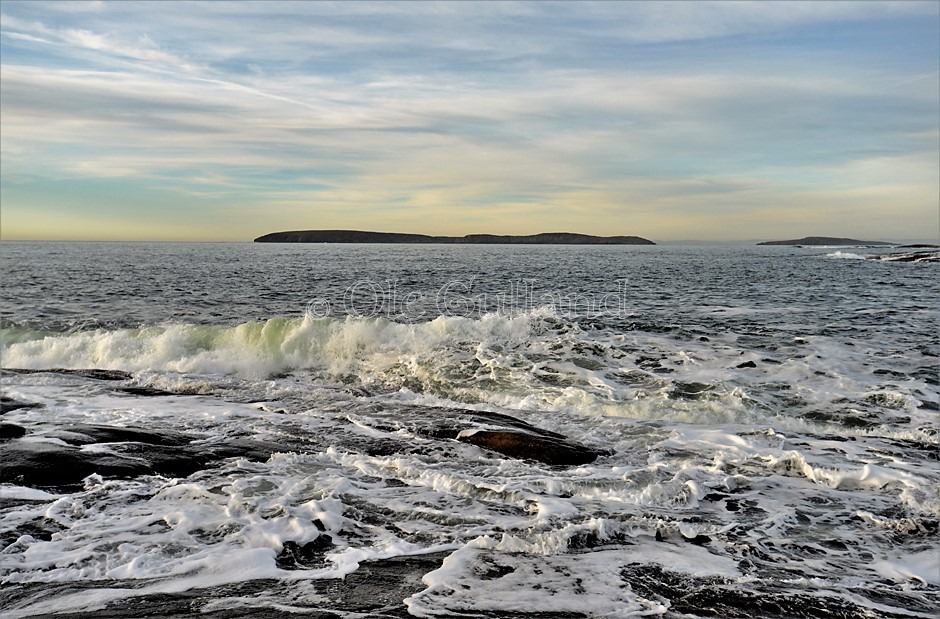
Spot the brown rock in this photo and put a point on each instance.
(525, 446)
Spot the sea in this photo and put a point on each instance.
(766, 418)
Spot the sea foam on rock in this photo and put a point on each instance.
(58, 458)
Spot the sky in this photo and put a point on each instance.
(223, 121)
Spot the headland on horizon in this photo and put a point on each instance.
(358, 236)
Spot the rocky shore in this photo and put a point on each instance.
(58, 457)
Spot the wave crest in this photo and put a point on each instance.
(256, 349)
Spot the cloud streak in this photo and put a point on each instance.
(659, 119)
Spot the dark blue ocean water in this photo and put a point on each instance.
(779, 402)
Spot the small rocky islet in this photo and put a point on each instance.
(828, 241)
(922, 252)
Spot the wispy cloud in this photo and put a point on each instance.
(432, 116)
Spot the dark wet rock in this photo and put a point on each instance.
(698, 540)
(11, 430)
(131, 452)
(649, 363)
(86, 434)
(514, 438)
(886, 400)
(379, 448)
(719, 597)
(40, 529)
(929, 375)
(891, 373)
(169, 461)
(834, 544)
(715, 496)
(847, 418)
(247, 448)
(148, 392)
(177, 461)
(746, 364)
(495, 431)
(312, 555)
(690, 391)
(588, 540)
(525, 446)
(87, 373)
(8, 404)
(376, 590)
(909, 448)
(453, 421)
(704, 339)
(50, 465)
(635, 378)
(914, 256)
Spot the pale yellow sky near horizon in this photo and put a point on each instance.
(688, 121)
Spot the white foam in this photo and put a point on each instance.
(522, 362)
(10, 491)
(923, 566)
(845, 255)
(528, 586)
(588, 583)
(722, 458)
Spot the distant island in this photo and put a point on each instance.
(825, 240)
(357, 236)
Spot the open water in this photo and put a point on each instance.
(769, 416)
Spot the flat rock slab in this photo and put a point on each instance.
(8, 404)
(709, 596)
(375, 590)
(131, 452)
(147, 392)
(450, 422)
(86, 434)
(94, 373)
(51, 465)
